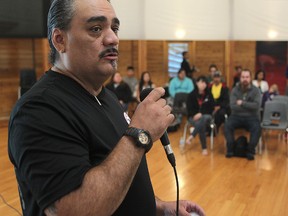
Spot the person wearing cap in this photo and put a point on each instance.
(220, 94)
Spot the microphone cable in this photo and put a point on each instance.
(177, 188)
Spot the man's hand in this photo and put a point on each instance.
(185, 208)
(153, 114)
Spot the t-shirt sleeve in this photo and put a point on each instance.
(49, 150)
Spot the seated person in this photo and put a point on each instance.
(212, 69)
(144, 82)
(180, 84)
(245, 113)
(120, 89)
(220, 94)
(260, 82)
(131, 80)
(236, 77)
(269, 95)
(200, 105)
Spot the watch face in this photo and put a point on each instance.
(143, 138)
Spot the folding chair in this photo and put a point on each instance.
(274, 118)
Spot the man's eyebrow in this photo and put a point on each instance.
(116, 21)
(102, 19)
(97, 19)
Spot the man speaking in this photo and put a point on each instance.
(73, 150)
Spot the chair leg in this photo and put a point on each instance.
(183, 138)
(260, 145)
(213, 130)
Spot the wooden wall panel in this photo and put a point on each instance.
(245, 54)
(125, 55)
(207, 53)
(156, 62)
(129, 51)
(17, 54)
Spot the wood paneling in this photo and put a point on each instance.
(17, 54)
(156, 62)
(207, 53)
(245, 54)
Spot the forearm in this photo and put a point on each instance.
(105, 186)
(251, 105)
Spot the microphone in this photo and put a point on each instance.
(164, 139)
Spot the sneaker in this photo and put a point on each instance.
(229, 154)
(250, 156)
(204, 152)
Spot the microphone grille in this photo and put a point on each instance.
(144, 93)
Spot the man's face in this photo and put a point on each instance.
(130, 72)
(216, 79)
(245, 78)
(182, 75)
(91, 43)
(186, 55)
(213, 70)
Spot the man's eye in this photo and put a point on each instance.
(96, 29)
(115, 29)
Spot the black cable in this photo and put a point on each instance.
(7, 204)
(177, 188)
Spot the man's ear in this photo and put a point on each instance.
(59, 40)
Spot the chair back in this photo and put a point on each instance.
(282, 98)
(27, 80)
(275, 114)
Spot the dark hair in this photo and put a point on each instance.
(184, 53)
(180, 70)
(258, 72)
(60, 15)
(238, 67)
(203, 79)
(130, 68)
(213, 66)
(246, 70)
(141, 82)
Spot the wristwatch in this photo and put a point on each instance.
(142, 137)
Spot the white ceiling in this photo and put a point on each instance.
(203, 20)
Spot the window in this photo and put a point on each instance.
(175, 57)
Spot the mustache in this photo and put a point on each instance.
(107, 51)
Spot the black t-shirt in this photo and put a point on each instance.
(57, 132)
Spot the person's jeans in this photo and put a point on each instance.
(250, 123)
(219, 117)
(201, 128)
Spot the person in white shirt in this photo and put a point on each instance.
(260, 82)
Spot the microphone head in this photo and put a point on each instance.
(144, 93)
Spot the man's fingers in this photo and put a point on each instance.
(156, 94)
